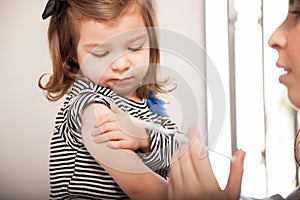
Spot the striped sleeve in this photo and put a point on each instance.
(73, 122)
(161, 150)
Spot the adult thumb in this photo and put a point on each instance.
(233, 187)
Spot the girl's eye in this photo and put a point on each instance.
(100, 54)
(137, 48)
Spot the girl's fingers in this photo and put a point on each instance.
(109, 136)
(115, 109)
(109, 117)
(96, 131)
(119, 144)
(104, 128)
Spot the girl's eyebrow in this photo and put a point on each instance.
(138, 37)
(105, 45)
(90, 46)
(95, 45)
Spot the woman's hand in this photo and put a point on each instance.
(192, 178)
(120, 131)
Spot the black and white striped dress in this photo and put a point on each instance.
(74, 174)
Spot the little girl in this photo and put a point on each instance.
(105, 58)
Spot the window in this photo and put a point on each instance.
(264, 120)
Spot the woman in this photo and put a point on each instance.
(193, 178)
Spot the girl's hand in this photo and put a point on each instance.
(120, 131)
(192, 178)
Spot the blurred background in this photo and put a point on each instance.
(262, 123)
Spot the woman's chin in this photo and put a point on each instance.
(295, 100)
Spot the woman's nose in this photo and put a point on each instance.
(278, 39)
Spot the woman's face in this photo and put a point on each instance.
(286, 40)
(115, 55)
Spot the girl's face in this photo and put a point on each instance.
(115, 55)
(286, 40)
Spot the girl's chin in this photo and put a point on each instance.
(124, 93)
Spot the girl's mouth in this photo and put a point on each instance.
(121, 80)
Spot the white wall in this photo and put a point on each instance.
(185, 23)
(26, 117)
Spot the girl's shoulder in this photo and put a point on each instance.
(84, 86)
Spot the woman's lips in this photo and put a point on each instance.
(283, 78)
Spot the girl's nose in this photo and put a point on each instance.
(121, 64)
(278, 39)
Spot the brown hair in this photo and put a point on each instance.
(63, 36)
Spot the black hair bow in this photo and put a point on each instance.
(55, 7)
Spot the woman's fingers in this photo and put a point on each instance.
(177, 177)
(233, 187)
(191, 176)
